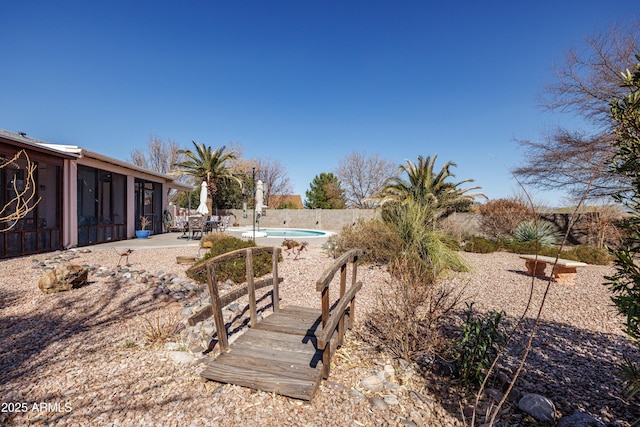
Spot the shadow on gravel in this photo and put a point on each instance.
(24, 337)
(573, 367)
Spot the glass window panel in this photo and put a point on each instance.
(14, 243)
(30, 242)
(119, 198)
(48, 191)
(83, 235)
(55, 238)
(87, 196)
(44, 240)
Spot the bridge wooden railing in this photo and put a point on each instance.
(343, 313)
(217, 302)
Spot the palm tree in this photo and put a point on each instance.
(208, 165)
(423, 185)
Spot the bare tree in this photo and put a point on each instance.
(23, 192)
(363, 177)
(585, 82)
(565, 161)
(159, 156)
(274, 175)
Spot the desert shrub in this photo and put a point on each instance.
(529, 248)
(410, 310)
(412, 222)
(234, 270)
(498, 218)
(478, 345)
(588, 254)
(481, 245)
(378, 242)
(541, 232)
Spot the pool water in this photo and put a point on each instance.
(290, 232)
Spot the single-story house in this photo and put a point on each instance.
(81, 197)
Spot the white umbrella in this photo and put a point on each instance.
(259, 195)
(203, 199)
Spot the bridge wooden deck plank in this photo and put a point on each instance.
(292, 322)
(279, 341)
(259, 380)
(261, 364)
(279, 354)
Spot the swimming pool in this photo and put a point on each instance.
(283, 232)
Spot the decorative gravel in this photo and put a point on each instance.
(78, 357)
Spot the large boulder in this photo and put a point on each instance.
(63, 278)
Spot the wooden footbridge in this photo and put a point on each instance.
(288, 352)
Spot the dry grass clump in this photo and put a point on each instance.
(158, 327)
(411, 311)
(378, 241)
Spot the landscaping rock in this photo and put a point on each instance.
(372, 383)
(539, 407)
(358, 395)
(378, 404)
(391, 399)
(63, 278)
(182, 357)
(580, 419)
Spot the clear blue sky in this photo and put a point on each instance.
(301, 82)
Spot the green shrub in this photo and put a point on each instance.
(524, 248)
(234, 270)
(412, 222)
(481, 245)
(536, 231)
(588, 254)
(478, 345)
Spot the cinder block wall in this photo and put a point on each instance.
(314, 219)
(459, 224)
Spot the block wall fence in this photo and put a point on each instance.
(461, 224)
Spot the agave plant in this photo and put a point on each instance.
(536, 231)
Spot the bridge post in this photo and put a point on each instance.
(221, 330)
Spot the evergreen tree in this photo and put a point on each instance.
(325, 193)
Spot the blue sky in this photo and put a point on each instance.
(301, 82)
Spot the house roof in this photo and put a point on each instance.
(76, 152)
(276, 200)
(21, 140)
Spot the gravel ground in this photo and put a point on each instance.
(77, 357)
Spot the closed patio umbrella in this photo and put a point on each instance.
(203, 200)
(259, 196)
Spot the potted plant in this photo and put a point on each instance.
(143, 233)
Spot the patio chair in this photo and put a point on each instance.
(212, 223)
(181, 225)
(224, 223)
(196, 227)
